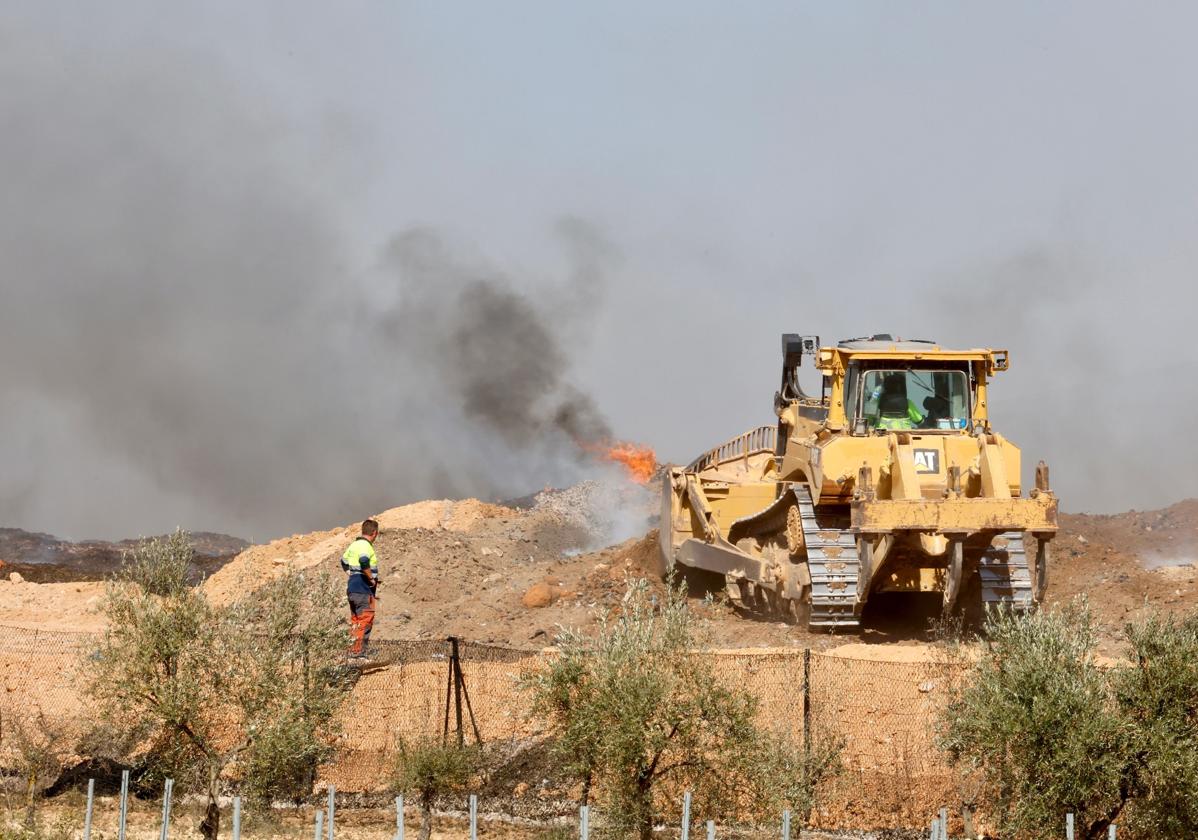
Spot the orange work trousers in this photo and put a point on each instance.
(361, 607)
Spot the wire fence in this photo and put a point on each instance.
(883, 713)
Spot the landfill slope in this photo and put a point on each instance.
(514, 574)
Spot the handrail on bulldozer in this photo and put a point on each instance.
(752, 442)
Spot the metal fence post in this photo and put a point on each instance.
(236, 818)
(686, 815)
(318, 834)
(807, 701)
(473, 816)
(1069, 826)
(711, 830)
(786, 824)
(944, 824)
(584, 828)
(124, 807)
(91, 801)
(934, 834)
(165, 832)
(399, 817)
(332, 810)
(1110, 832)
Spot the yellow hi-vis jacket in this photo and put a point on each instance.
(360, 555)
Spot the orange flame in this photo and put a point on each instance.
(640, 462)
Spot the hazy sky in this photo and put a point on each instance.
(218, 219)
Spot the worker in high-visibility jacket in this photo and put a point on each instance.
(894, 410)
(362, 565)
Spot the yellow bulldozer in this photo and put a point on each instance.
(890, 481)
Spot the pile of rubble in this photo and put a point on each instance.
(611, 511)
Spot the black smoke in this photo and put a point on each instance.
(184, 339)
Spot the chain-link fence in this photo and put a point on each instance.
(881, 711)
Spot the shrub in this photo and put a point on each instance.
(1036, 717)
(1158, 698)
(1053, 732)
(39, 748)
(254, 685)
(431, 768)
(632, 707)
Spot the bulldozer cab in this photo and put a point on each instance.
(885, 396)
(879, 384)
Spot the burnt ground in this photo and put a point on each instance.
(42, 558)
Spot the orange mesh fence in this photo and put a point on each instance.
(882, 713)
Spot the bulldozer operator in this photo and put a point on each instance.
(895, 411)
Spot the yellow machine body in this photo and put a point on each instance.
(890, 480)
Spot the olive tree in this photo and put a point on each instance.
(247, 691)
(1158, 699)
(431, 767)
(1050, 730)
(635, 705)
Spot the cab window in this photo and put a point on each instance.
(914, 399)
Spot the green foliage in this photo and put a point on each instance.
(1036, 716)
(292, 644)
(1052, 731)
(38, 749)
(634, 706)
(1159, 700)
(159, 566)
(776, 773)
(430, 768)
(253, 686)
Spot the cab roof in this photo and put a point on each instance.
(885, 342)
(885, 346)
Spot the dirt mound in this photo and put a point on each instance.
(303, 551)
(50, 606)
(1126, 564)
(464, 568)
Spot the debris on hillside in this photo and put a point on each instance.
(514, 573)
(47, 559)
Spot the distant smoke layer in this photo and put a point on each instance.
(181, 343)
(196, 330)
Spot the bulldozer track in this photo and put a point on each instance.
(833, 563)
(1005, 575)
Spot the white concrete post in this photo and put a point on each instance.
(124, 812)
(165, 831)
(332, 810)
(91, 801)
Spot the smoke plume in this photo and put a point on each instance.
(183, 342)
